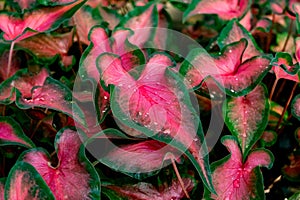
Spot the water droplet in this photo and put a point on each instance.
(120, 85)
(195, 139)
(230, 51)
(167, 131)
(105, 97)
(232, 90)
(140, 113)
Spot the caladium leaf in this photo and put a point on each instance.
(52, 95)
(146, 191)
(46, 46)
(100, 43)
(233, 32)
(296, 107)
(112, 17)
(24, 182)
(224, 9)
(132, 157)
(139, 20)
(236, 77)
(12, 133)
(150, 104)
(283, 67)
(23, 81)
(291, 171)
(236, 179)
(74, 177)
(247, 116)
(268, 138)
(18, 28)
(84, 21)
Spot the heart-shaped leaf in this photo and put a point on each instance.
(146, 191)
(74, 177)
(292, 171)
(236, 77)
(18, 28)
(225, 9)
(24, 182)
(296, 107)
(157, 102)
(112, 17)
(247, 116)
(12, 133)
(117, 44)
(100, 42)
(283, 67)
(234, 32)
(235, 179)
(141, 20)
(52, 95)
(268, 138)
(84, 21)
(23, 81)
(46, 46)
(132, 157)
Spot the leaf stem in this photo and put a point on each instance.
(179, 178)
(273, 88)
(10, 58)
(288, 36)
(286, 106)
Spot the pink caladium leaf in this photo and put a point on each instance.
(74, 177)
(247, 116)
(150, 104)
(24, 182)
(296, 107)
(101, 42)
(236, 179)
(11, 133)
(84, 21)
(283, 67)
(292, 171)
(224, 9)
(146, 191)
(233, 32)
(233, 75)
(141, 20)
(52, 95)
(268, 138)
(24, 81)
(112, 17)
(41, 20)
(46, 46)
(132, 157)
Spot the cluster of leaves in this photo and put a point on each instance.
(96, 103)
